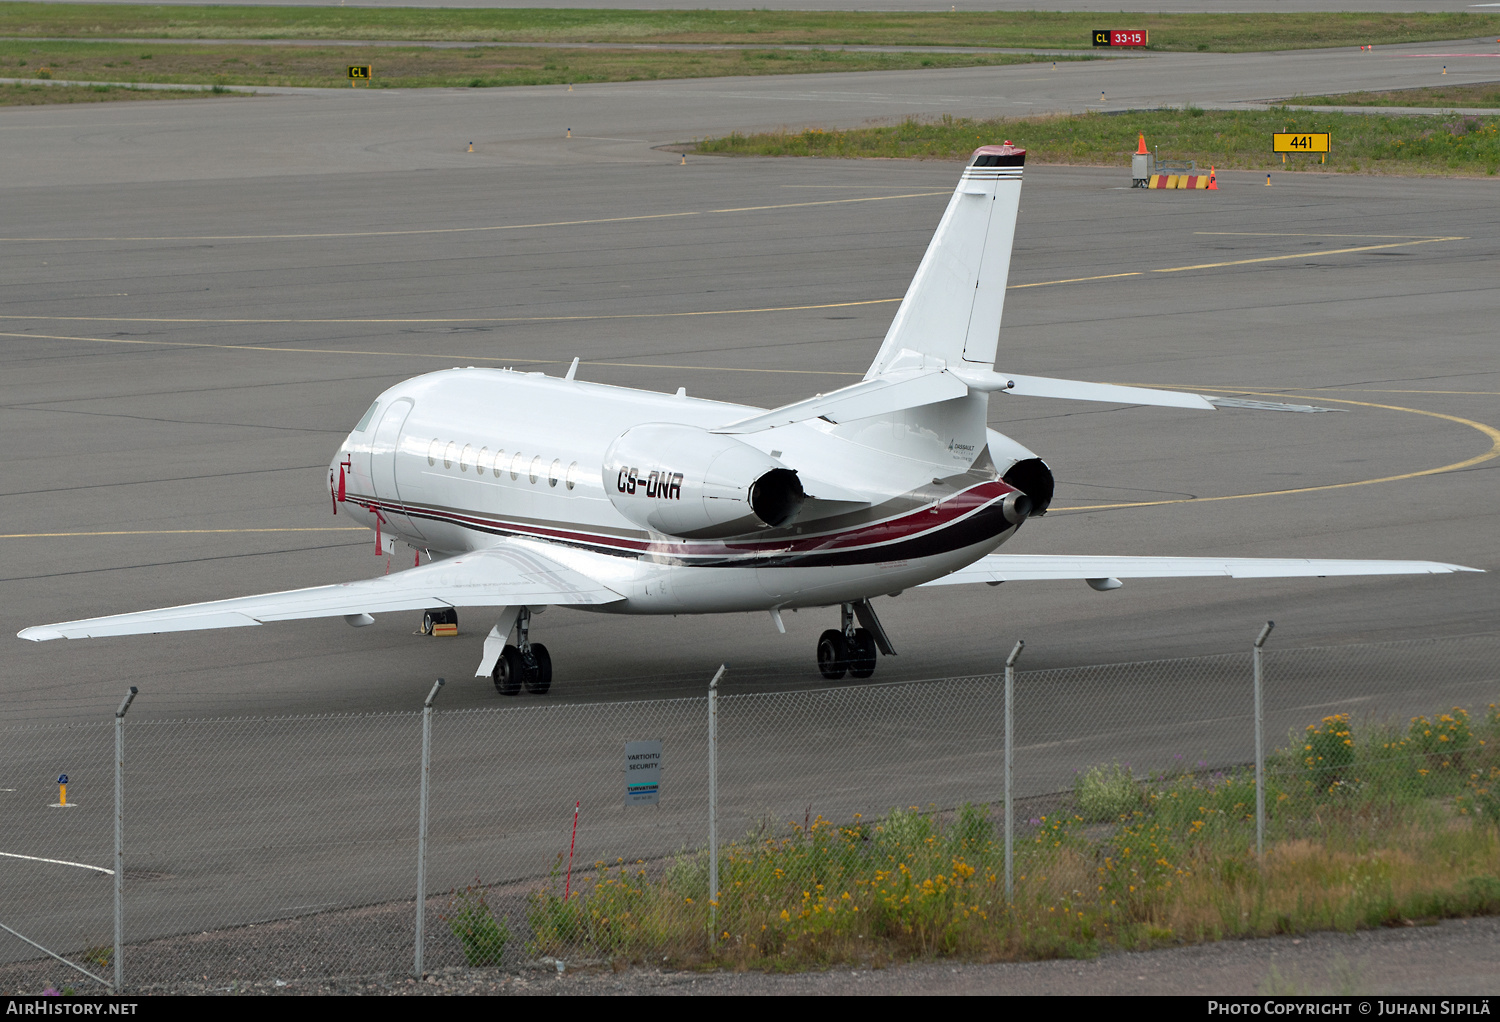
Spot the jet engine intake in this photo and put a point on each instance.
(685, 481)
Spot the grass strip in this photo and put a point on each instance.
(1444, 144)
(1381, 825)
(1444, 97)
(1027, 29)
(420, 66)
(17, 94)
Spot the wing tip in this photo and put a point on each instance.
(39, 633)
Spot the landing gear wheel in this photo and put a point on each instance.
(539, 678)
(440, 616)
(862, 654)
(833, 654)
(509, 672)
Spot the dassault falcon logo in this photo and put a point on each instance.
(958, 448)
(660, 483)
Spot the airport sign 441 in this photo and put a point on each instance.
(1299, 142)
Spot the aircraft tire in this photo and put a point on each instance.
(509, 670)
(440, 616)
(833, 654)
(539, 678)
(862, 654)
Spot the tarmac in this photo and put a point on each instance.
(200, 301)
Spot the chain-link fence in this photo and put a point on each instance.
(284, 848)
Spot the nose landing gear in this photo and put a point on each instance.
(525, 664)
(853, 650)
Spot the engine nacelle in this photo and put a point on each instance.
(685, 481)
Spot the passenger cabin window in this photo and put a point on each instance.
(481, 462)
(536, 467)
(364, 421)
(556, 473)
(499, 463)
(515, 465)
(572, 474)
(466, 458)
(449, 453)
(432, 451)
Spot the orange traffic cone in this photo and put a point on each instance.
(1213, 182)
(1141, 149)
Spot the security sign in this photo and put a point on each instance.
(642, 773)
(359, 70)
(1299, 142)
(1121, 37)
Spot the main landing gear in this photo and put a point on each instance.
(442, 616)
(850, 649)
(526, 663)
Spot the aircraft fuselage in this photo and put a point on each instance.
(456, 461)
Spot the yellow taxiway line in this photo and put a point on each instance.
(1489, 431)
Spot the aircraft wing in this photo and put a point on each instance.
(503, 576)
(997, 568)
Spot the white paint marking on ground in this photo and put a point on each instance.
(58, 862)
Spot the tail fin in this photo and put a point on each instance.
(951, 312)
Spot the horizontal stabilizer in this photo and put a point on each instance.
(879, 396)
(1266, 406)
(503, 576)
(1040, 567)
(1079, 390)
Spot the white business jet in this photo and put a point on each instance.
(527, 491)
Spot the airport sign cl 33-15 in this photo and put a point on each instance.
(359, 70)
(1121, 37)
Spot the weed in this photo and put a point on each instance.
(1106, 793)
(1361, 838)
(468, 916)
(1228, 139)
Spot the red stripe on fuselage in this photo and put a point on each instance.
(924, 520)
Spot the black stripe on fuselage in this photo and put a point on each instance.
(986, 524)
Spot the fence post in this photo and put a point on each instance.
(1010, 815)
(1260, 749)
(713, 802)
(422, 825)
(120, 837)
